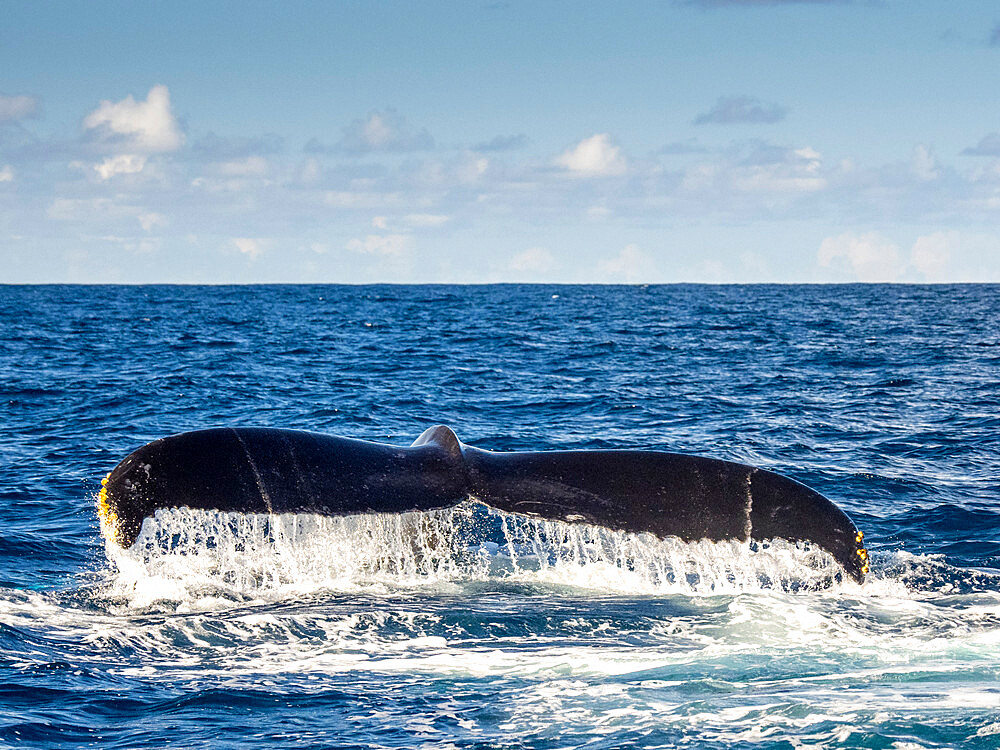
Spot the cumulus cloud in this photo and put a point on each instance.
(932, 254)
(741, 109)
(594, 156)
(781, 170)
(383, 131)
(989, 145)
(129, 126)
(394, 245)
(869, 257)
(17, 107)
(945, 256)
(503, 143)
(6, 173)
(151, 220)
(252, 247)
(631, 265)
(532, 260)
(757, 175)
(923, 165)
(121, 164)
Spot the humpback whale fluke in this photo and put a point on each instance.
(263, 470)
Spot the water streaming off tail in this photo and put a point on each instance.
(597, 557)
(182, 551)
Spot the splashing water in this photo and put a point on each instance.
(251, 555)
(182, 551)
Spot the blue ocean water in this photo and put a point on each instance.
(345, 633)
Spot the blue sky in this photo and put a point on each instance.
(711, 140)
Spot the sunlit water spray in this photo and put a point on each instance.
(182, 552)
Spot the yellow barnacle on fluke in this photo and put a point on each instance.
(106, 514)
(862, 553)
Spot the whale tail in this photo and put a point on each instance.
(261, 470)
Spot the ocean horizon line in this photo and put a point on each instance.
(502, 283)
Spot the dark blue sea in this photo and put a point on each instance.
(341, 633)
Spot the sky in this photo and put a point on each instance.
(711, 141)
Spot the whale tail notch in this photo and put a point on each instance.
(263, 470)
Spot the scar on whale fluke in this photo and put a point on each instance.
(262, 470)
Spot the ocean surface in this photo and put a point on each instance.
(355, 633)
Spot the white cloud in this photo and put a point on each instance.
(17, 107)
(144, 126)
(121, 164)
(923, 165)
(594, 156)
(533, 260)
(793, 171)
(252, 247)
(932, 253)
(471, 169)
(149, 221)
(376, 131)
(6, 173)
(631, 265)
(946, 256)
(869, 257)
(381, 244)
